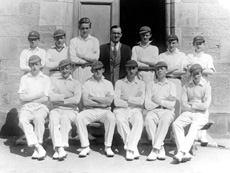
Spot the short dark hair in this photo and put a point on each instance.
(114, 26)
(84, 20)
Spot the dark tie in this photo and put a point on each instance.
(115, 50)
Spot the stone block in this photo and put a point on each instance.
(52, 13)
(209, 10)
(225, 49)
(9, 7)
(69, 14)
(9, 96)
(220, 127)
(186, 15)
(8, 48)
(11, 65)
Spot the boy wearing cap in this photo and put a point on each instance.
(196, 98)
(145, 54)
(97, 96)
(33, 93)
(114, 55)
(128, 109)
(84, 49)
(56, 53)
(65, 95)
(174, 58)
(199, 57)
(160, 100)
(33, 38)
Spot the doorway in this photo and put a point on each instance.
(137, 13)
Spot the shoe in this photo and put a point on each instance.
(187, 157)
(161, 154)
(178, 157)
(129, 155)
(109, 152)
(21, 141)
(55, 156)
(136, 154)
(61, 154)
(84, 152)
(35, 154)
(152, 156)
(41, 153)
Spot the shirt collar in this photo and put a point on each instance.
(135, 80)
(198, 54)
(34, 50)
(40, 74)
(69, 78)
(174, 52)
(93, 79)
(201, 83)
(59, 49)
(117, 44)
(144, 45)
(162, 83)
(87, 38)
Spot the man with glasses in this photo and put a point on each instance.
(84, 49)
(129, 102)
(65, 96)
(33, 38)
(196, 99)
(114, 55)
(56, 53)
(145, 54)
(160, 100)
(97, 96)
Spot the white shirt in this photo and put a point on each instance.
(147, 53)
(98, 89)
(160, 90)
(205, 60)
(27, 53)
(34, 85)
(174, 59)
(81, 49)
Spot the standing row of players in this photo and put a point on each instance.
(97, 93)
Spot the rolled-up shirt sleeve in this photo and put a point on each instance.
(140, 97)
(117, 99)
(170, 104)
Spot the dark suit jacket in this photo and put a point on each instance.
(105, 59)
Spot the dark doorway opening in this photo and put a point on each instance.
(137, 13)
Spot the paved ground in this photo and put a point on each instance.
(16, 159)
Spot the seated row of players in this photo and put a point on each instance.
(130, 98)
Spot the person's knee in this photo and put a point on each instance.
(138, 118)
(111, 117)
(120, 118)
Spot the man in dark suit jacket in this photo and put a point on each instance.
(114, 56)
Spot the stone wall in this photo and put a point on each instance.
(18, 18)
(212, 20)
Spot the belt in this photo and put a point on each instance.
(160, 107)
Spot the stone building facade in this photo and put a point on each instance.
(186, 18)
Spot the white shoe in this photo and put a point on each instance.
(161, 154)
(61, 154)
(109, 152)
(129, 155)
(187, 157)
(35, 154)
(178, 157)
(55, 156)
(136, 154)
(84, 152)
(152, 156)
(41, 153)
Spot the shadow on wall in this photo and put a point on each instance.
(11, 128)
